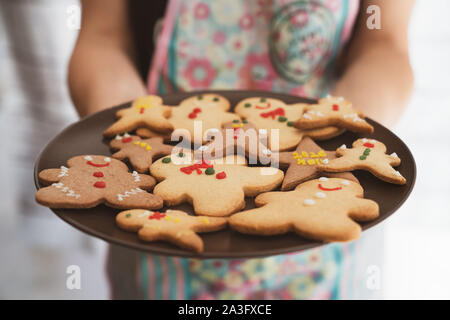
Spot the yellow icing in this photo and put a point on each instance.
(238, 125)
(143, 145)
(204, 220)
(309, 158)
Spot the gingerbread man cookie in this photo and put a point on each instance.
(268, 114)
(140, 151)
(214, 188)
(236, 137)
(90, 180)
(303, 164)
(209, 110)
(367, 155)
(333, 111)
(320, 209)
(144, 112)
(174, 226)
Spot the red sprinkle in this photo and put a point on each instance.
(98, 174)
(157, 215)
(141, 111)
(97, 165)
(221, 175)
(100, 184)
(329, 189)
(197, 110)
(273, 114)
(192, 115)
(368, 145)
(127, 139)
(335, 107)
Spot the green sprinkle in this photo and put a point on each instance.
(282, 119)
(244, 121)
(363, 157)
(367, 152)
(290, 123)
(236, 121)
(263, 100)
(209, 171)
(128, 215)
(247, 105)
(181, 154)
(200, 97)
(216, 99)
(166, 160)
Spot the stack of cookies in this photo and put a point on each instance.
(200, 153)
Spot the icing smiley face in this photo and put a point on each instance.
(98, 162)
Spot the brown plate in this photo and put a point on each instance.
(85, 137)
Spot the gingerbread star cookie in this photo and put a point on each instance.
(139, 151)
(268, 114)
(321, 209)
(333, 111)
(174, 226)
(144, 112)
(90, 180)
(206, 111)
(214, 188)
(303, 164)
(236, 137)
(367, 155)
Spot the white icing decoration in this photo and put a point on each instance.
(307, 116)
(398, 173)
(325, 161)
(136, 176)
(309, 202)
(320, 195)
(373, 141)
(126, 135)
(143, 214)
(118, 137)
(345, 182)
(364, 140)
(66, 190)
(319, 114)
(64, 172)
(88, 158)
(353, 116)
(129, 193)
(107, 159)
(323, 179)
(394, 155)
(343, 147)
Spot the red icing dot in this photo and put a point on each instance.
(368, 145)
(157, 215)
(197, 110)
(98, 174)
(100, 184)
(192, 115)
(335, 107)
(141, 111)
(221, 175)
(127, 139)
